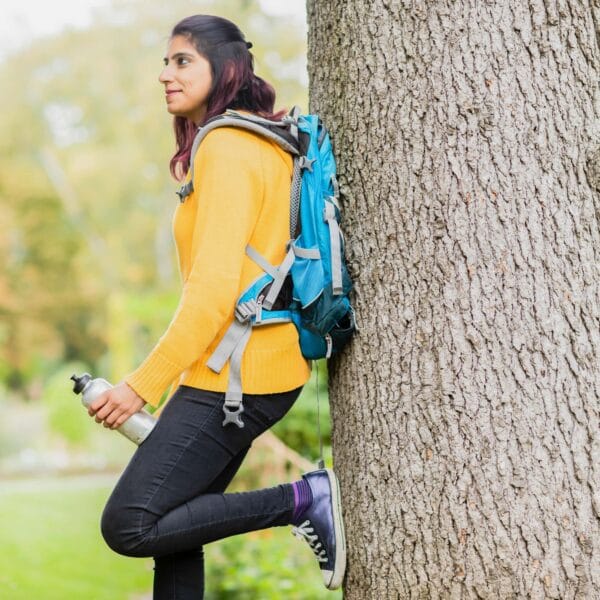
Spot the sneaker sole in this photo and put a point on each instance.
(334, 578)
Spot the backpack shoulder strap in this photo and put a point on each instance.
(273, 130)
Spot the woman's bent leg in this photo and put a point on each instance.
(160, 505)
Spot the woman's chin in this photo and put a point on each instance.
(195, 114)
(176, 112)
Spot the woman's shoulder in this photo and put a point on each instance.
(230, 138)
(236, 143)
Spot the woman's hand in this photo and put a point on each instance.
(116, 405)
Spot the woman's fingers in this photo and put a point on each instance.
(97, 404)
(110, 420)
(106, 409)
(115, 406)
(109, 407)
(117, 417)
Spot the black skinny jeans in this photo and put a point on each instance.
(169, 500)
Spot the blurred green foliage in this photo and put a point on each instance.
(268, 564)
(299, 428)
(61, 404)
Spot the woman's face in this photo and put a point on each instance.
(187, 79)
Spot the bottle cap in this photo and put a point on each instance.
(80, 382)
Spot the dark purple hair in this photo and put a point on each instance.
(234, 83)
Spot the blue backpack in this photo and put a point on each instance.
(310, 287)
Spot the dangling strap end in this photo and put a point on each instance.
(321, 458)
(216, 363)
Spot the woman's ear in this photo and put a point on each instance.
(229, 72)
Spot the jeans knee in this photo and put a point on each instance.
(121, 532)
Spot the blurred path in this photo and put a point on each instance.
(57, 482)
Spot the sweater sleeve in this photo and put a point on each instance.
(228, 184)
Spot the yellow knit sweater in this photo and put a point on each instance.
(241, 196)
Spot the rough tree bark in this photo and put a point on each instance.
(466, 412)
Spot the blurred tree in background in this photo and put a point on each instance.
(86, 197)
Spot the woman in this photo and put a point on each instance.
(170, 499)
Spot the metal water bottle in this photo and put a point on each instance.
(136, 428)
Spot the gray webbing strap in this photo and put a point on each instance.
(277, 273)
(263, 263)
(282, 272)
(254, 118)
(336, 248)
(231, 348)
(227, 345)
(233, 407)
(311, 253)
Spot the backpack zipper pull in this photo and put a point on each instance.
(259, 303)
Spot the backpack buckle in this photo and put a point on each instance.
(245, 310)
(232, 415)
(306, 163)
(185, 190)
(291, 119)
(329, 212)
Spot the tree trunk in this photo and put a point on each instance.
(466, 411)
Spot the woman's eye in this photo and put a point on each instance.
(182, 61)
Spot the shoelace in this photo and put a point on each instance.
(304, 531)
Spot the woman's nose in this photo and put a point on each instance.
(165, 75)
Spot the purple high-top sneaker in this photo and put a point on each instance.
(321, 525)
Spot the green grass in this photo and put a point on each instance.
(51, 549)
